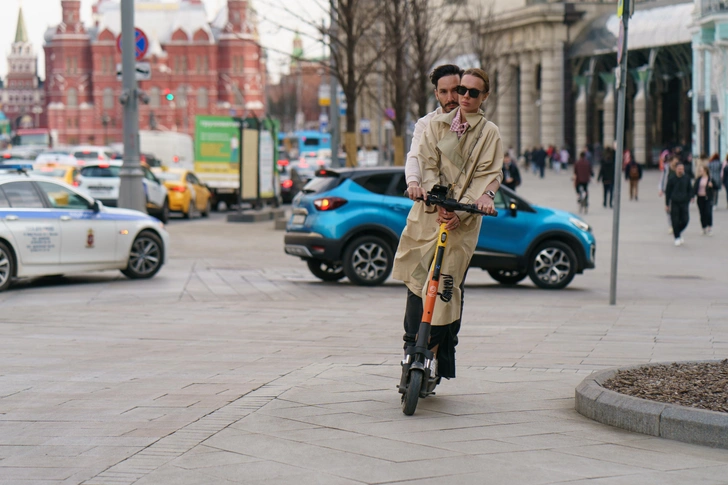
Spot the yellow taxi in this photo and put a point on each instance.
(185, 191)
(62, 173)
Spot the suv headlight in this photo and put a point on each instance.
(580, 224)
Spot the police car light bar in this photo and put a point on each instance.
(16, 167)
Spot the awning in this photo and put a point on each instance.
(649, 27)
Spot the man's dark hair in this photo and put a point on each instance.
(444, 70)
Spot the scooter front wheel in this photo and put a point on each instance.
(409, 399)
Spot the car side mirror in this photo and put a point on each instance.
(513, 208)
(96, 206)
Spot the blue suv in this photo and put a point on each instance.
(347, 222)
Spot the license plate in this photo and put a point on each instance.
(298, 219)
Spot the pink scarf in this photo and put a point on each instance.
(458, 126)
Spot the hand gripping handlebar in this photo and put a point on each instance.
(438, 196)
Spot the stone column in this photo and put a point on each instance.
(528, 129)
(507, 103)
(580, 108)
(609, 137)
(639, 141)
(552, 95)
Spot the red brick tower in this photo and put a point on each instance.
(69, 86)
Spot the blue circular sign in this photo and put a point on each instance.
(141, 44)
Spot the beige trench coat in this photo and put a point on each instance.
(444, 160)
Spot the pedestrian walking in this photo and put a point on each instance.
(511, 174)
(606, 175)
(678, 194)
(564, 157)
(539, 160)
(556, 160)
(715, 166)
(582, 176)
(703, 190)
(668, 172)
(633, 173)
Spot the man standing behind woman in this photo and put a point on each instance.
(462, 150)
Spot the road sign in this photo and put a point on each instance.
(143, 71)
(141, 43)
(365, 126)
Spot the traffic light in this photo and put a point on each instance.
(169, 95)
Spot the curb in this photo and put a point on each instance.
(671, 421)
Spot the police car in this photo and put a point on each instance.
(49, 228)
(101, 181)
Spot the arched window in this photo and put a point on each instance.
(181, 97)
(202, 98)
(108, 98)
(72, 98)
(154, 97)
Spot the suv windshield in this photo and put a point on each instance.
(103, 172)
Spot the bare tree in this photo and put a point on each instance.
(431, 40)
(354, 47)
(485, 46)
(396, 26)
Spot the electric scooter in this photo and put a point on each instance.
(418, 373)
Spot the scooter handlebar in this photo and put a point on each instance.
(452, 205)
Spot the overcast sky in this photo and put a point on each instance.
(40, 14)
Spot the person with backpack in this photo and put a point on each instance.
(633, 173)
(606, 175)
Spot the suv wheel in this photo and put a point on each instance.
(325, 271)
(164, 213)
(368, 261)
(7, 266)
(552, 265)
(507, 276)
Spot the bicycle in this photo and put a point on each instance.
(418, 378)
(583, 199)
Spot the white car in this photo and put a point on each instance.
(101, 181)
(48, 228)
(60, 157)
(86, 154)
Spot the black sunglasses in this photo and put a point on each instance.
(474, 93)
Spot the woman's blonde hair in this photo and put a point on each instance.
(474, 71)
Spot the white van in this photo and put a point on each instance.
(173, 149)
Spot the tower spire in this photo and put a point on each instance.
(21, 33)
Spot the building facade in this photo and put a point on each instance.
(22, 97)
(197, 68)
(710, 78)
(554, 77)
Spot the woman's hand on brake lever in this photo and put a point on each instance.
(485, 203)
(415, 192)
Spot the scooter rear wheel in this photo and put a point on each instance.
(409, 399)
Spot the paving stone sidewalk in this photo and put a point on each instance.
(235, 365)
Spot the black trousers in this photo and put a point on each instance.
(608, 189)
(705, 207)
(444, 336)
(680, 215)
